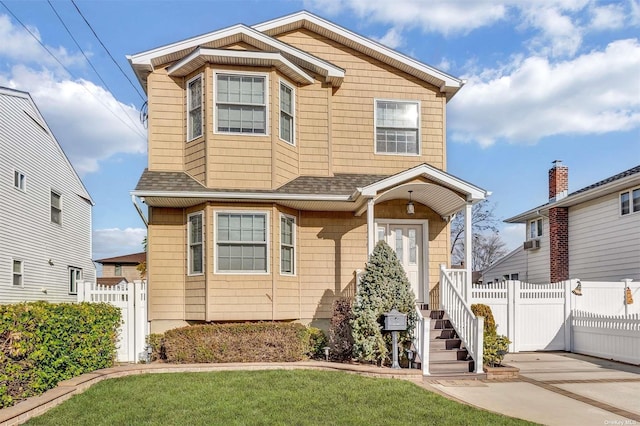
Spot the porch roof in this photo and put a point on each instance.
(442, 192)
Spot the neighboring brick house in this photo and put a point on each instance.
(45, 212)
(121, 267)
(592, 234)
(278, 155)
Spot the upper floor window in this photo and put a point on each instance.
(195, 242)
(241, 242)
(287, 244)
(535, 229)
(397, 127)
(18, 272)
(19, 180)
(286, 113)
(630, 201)
(117, 270)
(194, 108)
(56, 208)
(75, 275)
(241, 104)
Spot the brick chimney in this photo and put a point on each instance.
(558, 223)
(558, 181)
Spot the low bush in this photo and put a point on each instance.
(240, 342)
(340, 338)
(494, 349)
(481, 310)
(42, 344)
(316, 342)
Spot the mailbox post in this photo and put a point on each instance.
(395, 321)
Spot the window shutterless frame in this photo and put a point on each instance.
(535, 229)
(56, 207)
(397, 127)
(629, 201)
(287, 120)
(195, 102)
(17, 272)
(241, 103)
(195, 243)
(240, 240)
(75, 275)
(20, 180)
(287, 245)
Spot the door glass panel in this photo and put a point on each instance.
(399, 244)
(412, 247)
(381, 233)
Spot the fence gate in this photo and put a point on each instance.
(131, 298)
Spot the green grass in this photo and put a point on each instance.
(281, 397)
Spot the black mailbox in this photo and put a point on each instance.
(395, 321)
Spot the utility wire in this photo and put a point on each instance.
(107, 50)
(67, 70)
(88, 60)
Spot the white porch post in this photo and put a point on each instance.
(370, 225)
(468, 249)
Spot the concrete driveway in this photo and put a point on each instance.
(556, 388)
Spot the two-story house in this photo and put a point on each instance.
(279, 154)
(118, 268)
(45, 213)
(592, 234)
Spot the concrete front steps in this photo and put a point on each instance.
(448, 359)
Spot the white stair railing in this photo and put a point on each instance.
(421, 340)
(468, 327)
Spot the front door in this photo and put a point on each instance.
(406, 241)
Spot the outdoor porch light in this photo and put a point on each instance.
(410, 207)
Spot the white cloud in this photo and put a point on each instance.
(534, 98)
(607, 17)
(393, 39)
(115, 241)
(559, 35)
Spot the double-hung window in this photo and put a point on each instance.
(241, 105)
(241, 240)
(287, 244)
(194, 108)
(195, 242)
(535, 229)
(75, 275)
(397, 127)
(18, 272)
(19, 180)
(56, 208)
(630, 201)
(286, 113)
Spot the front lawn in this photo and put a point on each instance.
(282, 397)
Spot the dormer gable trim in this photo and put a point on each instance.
(446, 83)
(203, 55)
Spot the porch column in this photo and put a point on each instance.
(370, 226)
(468, 249)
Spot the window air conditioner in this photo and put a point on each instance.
(532, 244)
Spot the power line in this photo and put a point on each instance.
(88, 60)
(67, 70)
(107, 50)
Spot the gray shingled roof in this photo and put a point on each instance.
(340, 184)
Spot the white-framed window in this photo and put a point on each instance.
(194, 108)
(630, 201)
(287, 108)
(56, 207)
(195, 243)
(397, 127)
(19, 180)
(117, 270)
(287, 244)
(535, 229)
(241, 103)
(241, 242)
(17, 272)
(75, 275)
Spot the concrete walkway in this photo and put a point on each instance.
(555, 388)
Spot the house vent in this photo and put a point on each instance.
(532, 244)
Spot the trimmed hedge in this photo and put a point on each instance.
(481, 310)
(238, 342)
(42, 344)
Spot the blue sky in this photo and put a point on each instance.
(546, 80)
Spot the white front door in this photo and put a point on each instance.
(406, 241)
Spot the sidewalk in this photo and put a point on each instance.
(556, 388)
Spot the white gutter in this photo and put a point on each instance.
(242, 196)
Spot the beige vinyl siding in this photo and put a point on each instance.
(313, 129)
(286, 159)
(166, 263)
(167, 123)
(130, 272)
(603, 246)
(26, 231)
(353, 108)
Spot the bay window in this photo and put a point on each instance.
(241, 105)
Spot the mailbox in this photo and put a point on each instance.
(395, 321)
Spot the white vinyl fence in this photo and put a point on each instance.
(543, 316)
(131, 298)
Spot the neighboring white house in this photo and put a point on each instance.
(592, 234)
(45, 213)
